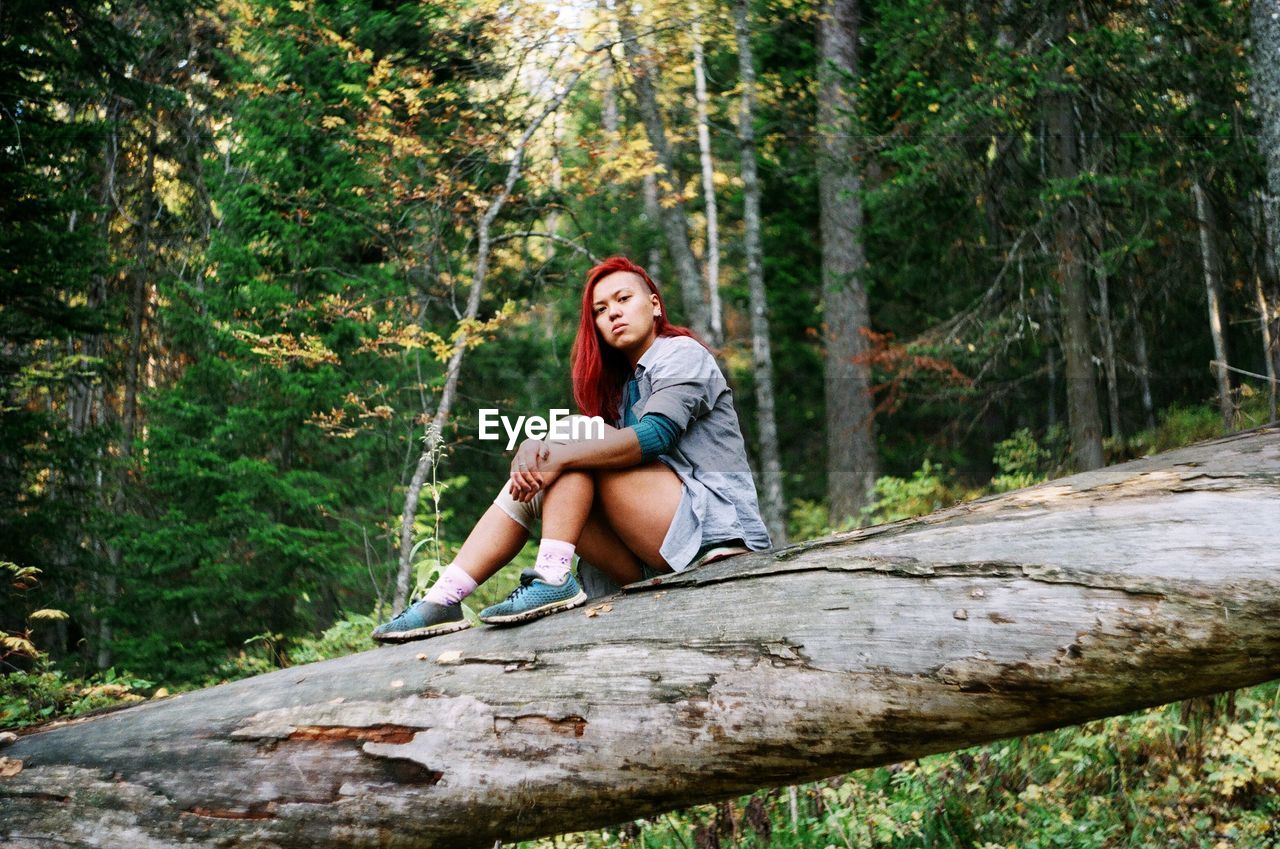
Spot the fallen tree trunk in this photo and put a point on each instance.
(1098, 594)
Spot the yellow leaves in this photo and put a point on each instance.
(331, 121)
(934, 107)
(281, 349)
(14, 644)
(48, 614)
(1245, 755)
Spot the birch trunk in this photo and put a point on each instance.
(1268, 347)
(1084, 597)
(851, 448)
(772, 504)
(1106, 325)
(1205, 220)
(435, 432)
(670, 209)
(716, 318)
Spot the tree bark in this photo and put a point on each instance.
(1265, 90)
(1141, 360)
(851, 448)
(670, 210)
(1205, 220)
(1079, 598)
(1083, 417)
(772, 504)
(1268, 348)
(1106, 325)
(715, 318)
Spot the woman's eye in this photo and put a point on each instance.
(625, 298)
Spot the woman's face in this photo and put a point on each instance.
(624, 311)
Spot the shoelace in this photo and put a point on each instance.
(398, 616)
(526, 581)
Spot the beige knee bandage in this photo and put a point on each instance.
(524, 513)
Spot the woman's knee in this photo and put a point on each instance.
(524, 513)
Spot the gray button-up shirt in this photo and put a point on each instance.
(678, 378)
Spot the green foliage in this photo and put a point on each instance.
(1020, 461)
(43, 694)
(348, 635)
(808, 519)
(1178, 426)
(928, 489)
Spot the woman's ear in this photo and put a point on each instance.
(657, 307)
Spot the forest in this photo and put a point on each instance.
(264, 262)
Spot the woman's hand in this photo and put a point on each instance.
(531, 470)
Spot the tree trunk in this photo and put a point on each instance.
(1082, 395)
(1109, 353)
(671, 210)
(1265, 89)
(773, 504)
(1142, 361)
(851, 447)
(1205, 220)
(1266, 281)
(1106, 325)
(1268, 347)
(716, 317)
(1080, 598)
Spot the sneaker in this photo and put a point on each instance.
(533, 598)
(422, 620)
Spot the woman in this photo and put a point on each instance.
(666, 487)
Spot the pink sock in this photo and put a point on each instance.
(453, 585)
(554, 559)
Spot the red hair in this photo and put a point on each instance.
(600, 371)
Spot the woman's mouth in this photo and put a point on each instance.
(618, 328)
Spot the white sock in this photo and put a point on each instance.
(453, 585)
(554, 559)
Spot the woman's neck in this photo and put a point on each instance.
(633, 356)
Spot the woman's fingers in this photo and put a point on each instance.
(525, 485)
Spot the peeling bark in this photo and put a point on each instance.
(1093, 595)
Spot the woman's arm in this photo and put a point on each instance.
(537, 463)
(617, 448)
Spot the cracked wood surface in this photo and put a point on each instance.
(1097, 594)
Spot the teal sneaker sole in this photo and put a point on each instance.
(422, 633)
(546, 609)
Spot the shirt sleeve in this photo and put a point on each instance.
(657, 435)
(686, 383)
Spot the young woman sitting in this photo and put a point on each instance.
(667, 486)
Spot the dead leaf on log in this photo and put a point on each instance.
(10, 767)
(596, 610)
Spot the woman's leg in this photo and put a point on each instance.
(492, 543)
(600, 545)
(638, 505)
